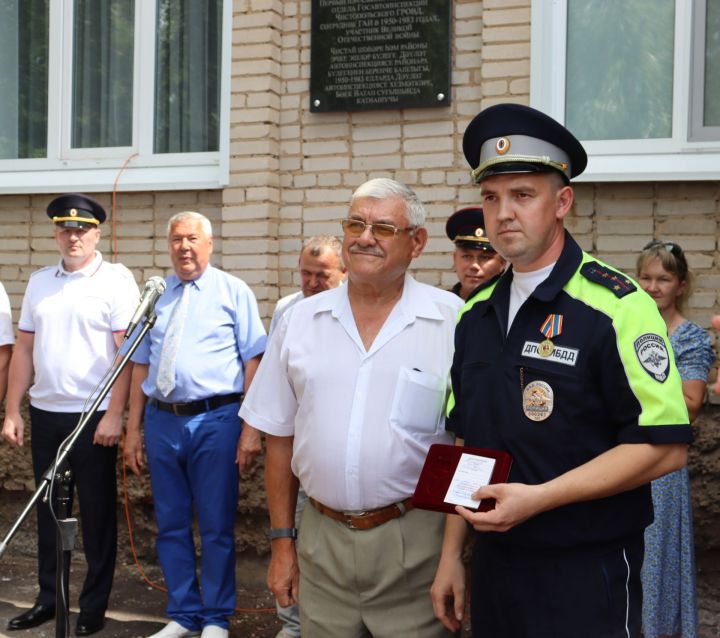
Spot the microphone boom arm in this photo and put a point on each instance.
(43, 488)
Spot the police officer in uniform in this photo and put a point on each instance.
(73, 320)
(564, 363)
(474, 258)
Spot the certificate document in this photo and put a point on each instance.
(471, 473)
(451, 474)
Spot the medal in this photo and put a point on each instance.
(537, 400)
(551, 327)
(545, 348)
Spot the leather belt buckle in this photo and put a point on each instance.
(350, 519)
(192, 408)
(365, 519)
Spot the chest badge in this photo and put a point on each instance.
(538, 400)
(551, 327)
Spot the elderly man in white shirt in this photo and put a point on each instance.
(351, 394)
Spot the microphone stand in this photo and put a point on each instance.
(67, 527)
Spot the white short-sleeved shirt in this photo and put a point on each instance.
(73, 316)
(281, 307)
(7, 335)
(362, 420)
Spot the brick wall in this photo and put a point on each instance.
(137, 238)
(292, 171)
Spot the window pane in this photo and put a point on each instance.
(187, 76)
(103, 73)
(23, 78)
(711, 115)
(620, 68)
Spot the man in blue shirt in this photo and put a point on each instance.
(190, 374)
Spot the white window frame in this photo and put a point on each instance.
(698, 130)
(674, 158)
(101, 169)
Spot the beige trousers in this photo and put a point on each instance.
(369, 583)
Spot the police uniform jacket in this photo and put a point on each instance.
(609, 380)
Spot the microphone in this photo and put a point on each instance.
(154, 287)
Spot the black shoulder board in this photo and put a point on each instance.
(611, 279)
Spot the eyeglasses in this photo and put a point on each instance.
(356, 227)
(670, 246)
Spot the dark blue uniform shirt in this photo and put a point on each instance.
(608, 379)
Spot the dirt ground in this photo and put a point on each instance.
(137, 609)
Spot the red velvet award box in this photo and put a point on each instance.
(439, 469)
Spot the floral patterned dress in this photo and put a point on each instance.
(668, 573)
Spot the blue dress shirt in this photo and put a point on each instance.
(222, 329)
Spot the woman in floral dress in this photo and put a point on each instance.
(668, 574)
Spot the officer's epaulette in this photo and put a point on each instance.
(611, 279)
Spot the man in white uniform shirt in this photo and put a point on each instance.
(321, 268)
(73, 319)
(350, 395)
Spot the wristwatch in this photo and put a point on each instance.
(283, 532)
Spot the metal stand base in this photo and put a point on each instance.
(66, 534)
(62, 480)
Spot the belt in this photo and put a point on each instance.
(365, 520)
(197, 407)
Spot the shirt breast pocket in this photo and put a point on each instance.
(418, 402)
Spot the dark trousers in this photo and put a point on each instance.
(93, 471)
(593, 592)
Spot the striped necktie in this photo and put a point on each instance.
(173, 336)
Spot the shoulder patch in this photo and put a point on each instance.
(613, 280)
(653, 356)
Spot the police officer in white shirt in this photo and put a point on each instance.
(350, 394)
(73, 319)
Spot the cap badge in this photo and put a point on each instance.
(479, 232)
(73, 212)
(502, 146)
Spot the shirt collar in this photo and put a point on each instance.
(86, 271)
(173, 281)
(565, 267)
(413, 302)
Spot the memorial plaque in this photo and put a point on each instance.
(379, 54)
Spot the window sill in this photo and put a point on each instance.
(101, 176)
